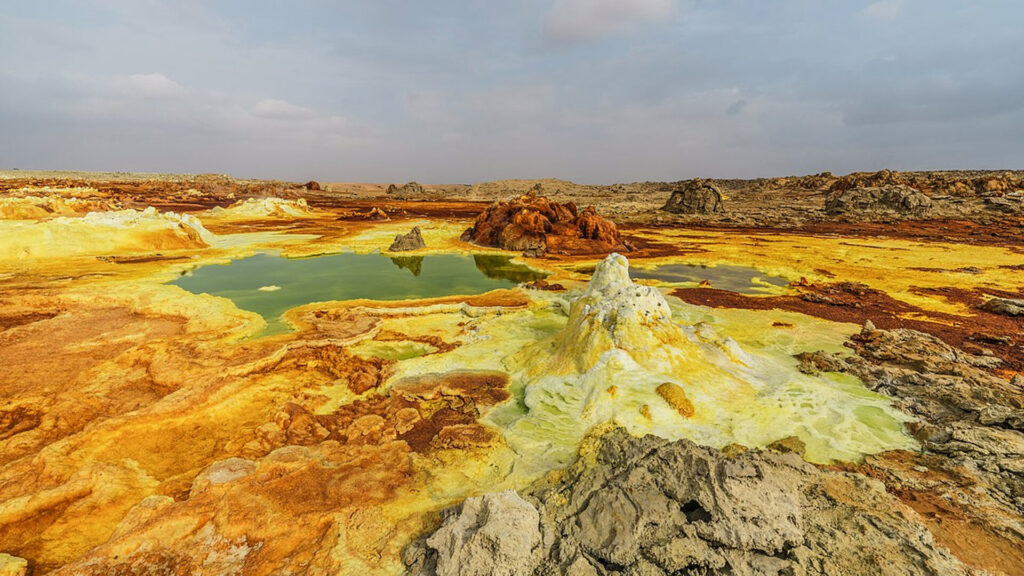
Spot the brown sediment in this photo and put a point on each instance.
(857, 303)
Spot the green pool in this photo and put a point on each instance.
(269, 284)
(740, 279)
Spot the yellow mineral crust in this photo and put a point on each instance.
(622, 334)
(101, 232)
(899, 267)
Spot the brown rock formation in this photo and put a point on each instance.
(532, 223)
(376, 213)
(312, 185)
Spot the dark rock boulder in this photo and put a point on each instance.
(413, 240)
(312, 185)
(409, 189)
(695, 197)
(890, 200)
(1004, 306)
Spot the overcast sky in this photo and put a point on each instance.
(465, 91)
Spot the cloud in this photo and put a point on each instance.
(577, 20)
(281, 110)
(736, 107)
(150, 86)
(884, 10)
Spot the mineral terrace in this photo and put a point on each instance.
(800, 375)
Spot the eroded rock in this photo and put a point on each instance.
(413, 240)
(411, 188)
(633, 505)
(1004, 306)
(895, 199)
(494, 534)
(695, 197)
(532, 223)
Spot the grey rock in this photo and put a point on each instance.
(494, 534)
(411, 188)
(413, 240)
(695, 197)
(1004, 306)
(648, 506)
(894, 199)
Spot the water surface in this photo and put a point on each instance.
(742, 279)
(270, 284)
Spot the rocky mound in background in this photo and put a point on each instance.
(695, 197)
(649, 506)
(886, 201)
(536, 225)
(956, 183)
(408, 189)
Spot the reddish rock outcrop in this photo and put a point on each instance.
(534, 224)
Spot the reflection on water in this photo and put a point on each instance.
(742, 279)
(413, 264)
(290, 282)
(502, 267)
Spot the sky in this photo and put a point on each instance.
(463, 91)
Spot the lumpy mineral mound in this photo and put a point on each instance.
(532, 223)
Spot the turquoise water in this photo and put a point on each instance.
(291, 282)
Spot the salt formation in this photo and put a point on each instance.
(103, 232)
(622, 358)
(264, 208)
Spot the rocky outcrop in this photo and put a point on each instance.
(409, 189)
(954, 183)
(494, 534)
(969, 482)
(633, 505)
(1004, 306)
(891, 200)
(695, 197)
(413, 240)
(965, 411)
(532, 223)
(312, 185)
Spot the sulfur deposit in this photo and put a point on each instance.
(622, 357)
